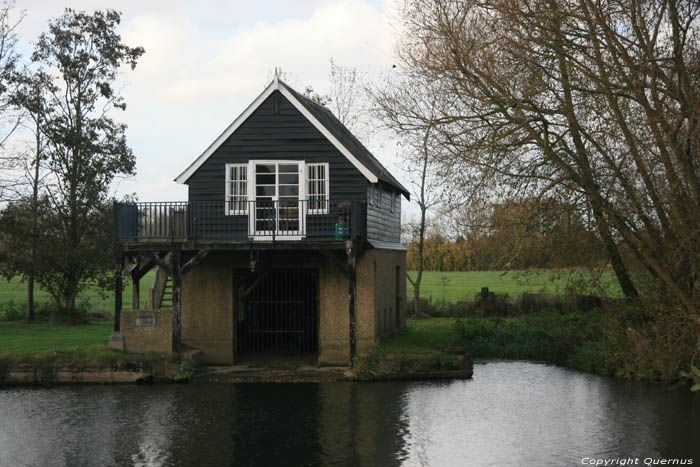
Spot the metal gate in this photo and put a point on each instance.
(276, 311)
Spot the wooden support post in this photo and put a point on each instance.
(352, 293)
(136, 289)
(143, 265)
(118, 291)
(177, 284)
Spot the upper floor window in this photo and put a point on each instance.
(237, 189)
(393, 201)
(379, 195)
(317, 187)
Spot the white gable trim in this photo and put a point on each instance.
(275, 85)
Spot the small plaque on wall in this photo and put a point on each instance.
(146, 319)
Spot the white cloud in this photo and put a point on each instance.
(205, 63)
(187, 65)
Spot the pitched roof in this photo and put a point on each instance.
(324, 121)
(349, 140)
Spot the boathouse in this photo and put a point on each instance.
(288, 244)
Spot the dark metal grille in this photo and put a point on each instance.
(276, 311)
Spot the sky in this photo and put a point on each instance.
(205, 61)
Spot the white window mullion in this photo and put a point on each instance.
(252, 201)
(318, 187)
(302, 196)
(236, 191)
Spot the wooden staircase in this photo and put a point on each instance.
(166, 300)
(161, 295)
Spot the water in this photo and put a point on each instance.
(511, 413)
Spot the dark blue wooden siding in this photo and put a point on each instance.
(383, 223)
(287, 135)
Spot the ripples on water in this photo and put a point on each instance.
(511, 413)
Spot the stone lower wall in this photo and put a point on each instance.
(207, 306)
(389, 291)
(147, 330)
(207, 297)
(334, 332)
(378, 273)
(207, 301)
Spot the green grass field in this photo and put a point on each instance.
(23, 339)
(436, 287)
(451, 286)
(99, 300)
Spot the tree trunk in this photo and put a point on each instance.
(618, 265)
(29, 316)
(423, 204)
(35, 221)
(419, 276)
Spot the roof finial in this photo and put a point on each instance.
(278, 72)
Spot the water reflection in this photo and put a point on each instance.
(511, 413)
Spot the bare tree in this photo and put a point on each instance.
(592, 99)
(346, 96)
(424, 194)
(391, 99)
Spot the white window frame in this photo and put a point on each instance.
(229, 201)
(326, 181)
(253, 197)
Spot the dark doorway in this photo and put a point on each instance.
(276, 312)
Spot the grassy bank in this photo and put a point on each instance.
(44, 350)
(429, 347)
(616, 341)
(577, 340)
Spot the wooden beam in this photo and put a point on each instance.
(160, 262)
(196, 259)
(228, 245)
(337, 262)
(145, 265)
(128, 266)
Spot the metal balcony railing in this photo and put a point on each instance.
(240, 220)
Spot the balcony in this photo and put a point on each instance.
(243, 221)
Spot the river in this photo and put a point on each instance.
(510, 414)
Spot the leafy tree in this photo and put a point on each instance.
(85, 148)
(29, 98)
